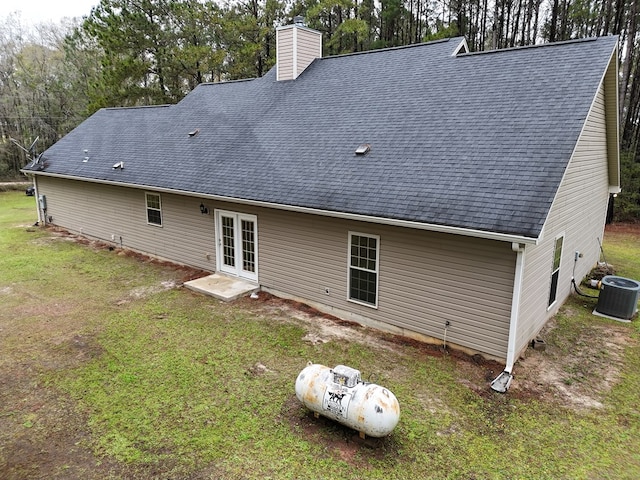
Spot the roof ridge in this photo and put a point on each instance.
(223, 82)
(138, 106)
(387, 49)
(537, 45)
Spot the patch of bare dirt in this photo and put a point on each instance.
(322, 327)
(577, 375)
(188, 273)
(42, 433)
(6, 290)
(143, 292)
(626, 228)
(340, 443)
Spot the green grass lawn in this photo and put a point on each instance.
(112, 373)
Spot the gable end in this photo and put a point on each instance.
(610, 84)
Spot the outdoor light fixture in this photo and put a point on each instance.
(204, 210)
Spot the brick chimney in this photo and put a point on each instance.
(296, 47)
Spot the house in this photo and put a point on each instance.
(423, 190)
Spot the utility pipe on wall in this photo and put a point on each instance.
(36, 195)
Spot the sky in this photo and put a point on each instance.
(37, 11)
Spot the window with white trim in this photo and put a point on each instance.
(555, 270)
(154, 209)
(363, 268)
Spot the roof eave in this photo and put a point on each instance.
(487, 235)
(610, 82)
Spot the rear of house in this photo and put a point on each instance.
(404, 280)
(421, 190)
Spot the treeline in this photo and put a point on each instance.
(133, 52)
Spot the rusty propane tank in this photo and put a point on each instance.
(341, 395)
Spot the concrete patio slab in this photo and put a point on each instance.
(222, 287)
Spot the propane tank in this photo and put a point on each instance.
(341, 395)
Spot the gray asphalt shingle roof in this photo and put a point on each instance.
(477, 141)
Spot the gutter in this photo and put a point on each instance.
(501, 382)
(502, 237)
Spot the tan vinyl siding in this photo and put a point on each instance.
(425, 278)
(578, 211)
(284, 53)
(309, 45)
(296, 48)
(102, 211)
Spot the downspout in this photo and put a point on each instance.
(501, 382)
(36, 194)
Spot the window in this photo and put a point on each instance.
(248, 245)
(363, 268)
(154, 211)
(228, 241)
(555, 271)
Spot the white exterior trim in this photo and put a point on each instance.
(468, 232)
(614, 58)
(461, 49)
(515, 306)
(377, 271)
(238, 271)
(562, 235)
(147, 208)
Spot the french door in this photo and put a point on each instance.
(237, 244)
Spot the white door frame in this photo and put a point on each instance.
(241, 257)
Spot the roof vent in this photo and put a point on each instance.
(298, 20)
(461, 49)
(363, 149)
(86, 156)
(195, 132)
(119, 165)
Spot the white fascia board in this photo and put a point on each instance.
(467, 232)
(612, 188)
(616, 123)
(462, 47)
